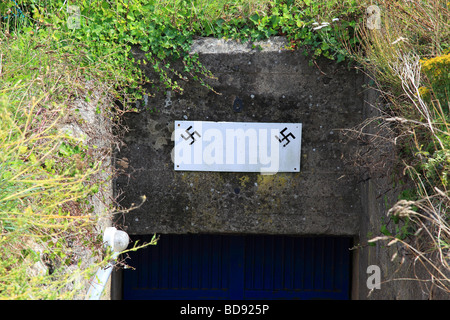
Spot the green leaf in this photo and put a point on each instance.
(254, 18)
(384, 230)
(220, 22)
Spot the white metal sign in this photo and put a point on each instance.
(237, 146)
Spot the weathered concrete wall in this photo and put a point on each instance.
(94, 129)
(275, 85)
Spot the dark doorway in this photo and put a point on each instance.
(204, 266)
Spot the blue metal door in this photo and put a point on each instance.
(190, 267)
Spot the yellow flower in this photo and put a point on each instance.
(437, 66)
(423, 91)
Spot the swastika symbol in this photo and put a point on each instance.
(190, 135)
(285, 137)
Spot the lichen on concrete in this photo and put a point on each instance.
(274, 85)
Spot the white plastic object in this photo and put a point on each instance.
(117, 239)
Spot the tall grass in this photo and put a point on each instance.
(207, 11)
(407, 59)
(49, 244)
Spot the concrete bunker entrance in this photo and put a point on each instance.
(272, 86)
(240, 267)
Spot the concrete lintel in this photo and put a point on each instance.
(215, 46)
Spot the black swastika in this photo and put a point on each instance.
(190, 135)
(285, 137)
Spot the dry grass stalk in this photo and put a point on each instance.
(411, 30)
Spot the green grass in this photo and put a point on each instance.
(408, 58)
(46, 176)
(50, 237)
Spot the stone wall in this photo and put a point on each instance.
(275, 85)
